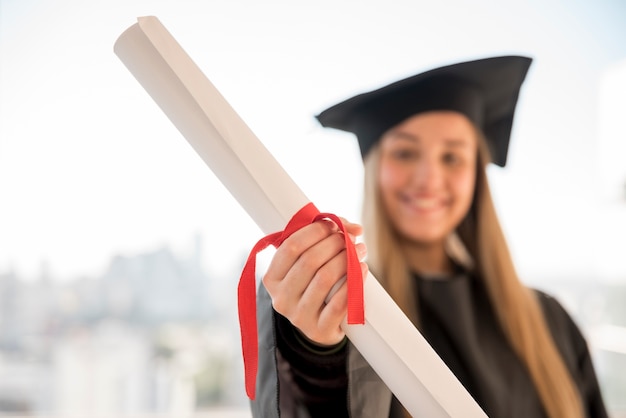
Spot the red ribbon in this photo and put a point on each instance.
(247, 288)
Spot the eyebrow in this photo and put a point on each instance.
(452, 142)
(402, 135)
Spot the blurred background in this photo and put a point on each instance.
(120, 251)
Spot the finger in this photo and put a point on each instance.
(361, 251)
(336, 307)
(352, 229)
(313, 262)
(324, 328)
(335, 299)
(287, 289)
(334, 312)
(318, 255)
(332, 315)
(364, 270)
(325, 278)
(293, 247)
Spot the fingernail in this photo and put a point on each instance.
(361, 250)
(364, 269)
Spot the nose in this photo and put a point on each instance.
(427, 174)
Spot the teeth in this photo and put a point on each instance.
(424, 203)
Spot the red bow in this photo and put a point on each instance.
(247, 288)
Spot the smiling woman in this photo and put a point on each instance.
(514, 349)
(90, 169)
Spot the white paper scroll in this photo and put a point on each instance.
(388, 340)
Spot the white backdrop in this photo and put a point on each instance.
(90, 167)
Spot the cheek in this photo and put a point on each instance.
(390, 178)
(385, 177)
(464, 187)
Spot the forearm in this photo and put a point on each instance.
(311, 375)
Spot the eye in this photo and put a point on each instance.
(451, 158)
(404, 154)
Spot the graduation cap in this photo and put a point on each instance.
(484, 90)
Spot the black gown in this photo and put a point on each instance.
(458, 321)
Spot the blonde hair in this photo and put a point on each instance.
(516, 307)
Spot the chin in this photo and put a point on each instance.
(424, 238)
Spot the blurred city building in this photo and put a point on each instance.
(152, 336)
(155, 335)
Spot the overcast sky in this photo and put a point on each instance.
(90, 167)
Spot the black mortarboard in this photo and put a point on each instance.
(484, 90)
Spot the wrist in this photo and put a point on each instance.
(317, 348)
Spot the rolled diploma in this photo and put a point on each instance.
(388, 340)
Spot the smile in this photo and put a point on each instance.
(423, 203)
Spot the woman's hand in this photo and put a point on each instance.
(302, 273)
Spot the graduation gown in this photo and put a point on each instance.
(458, 321)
